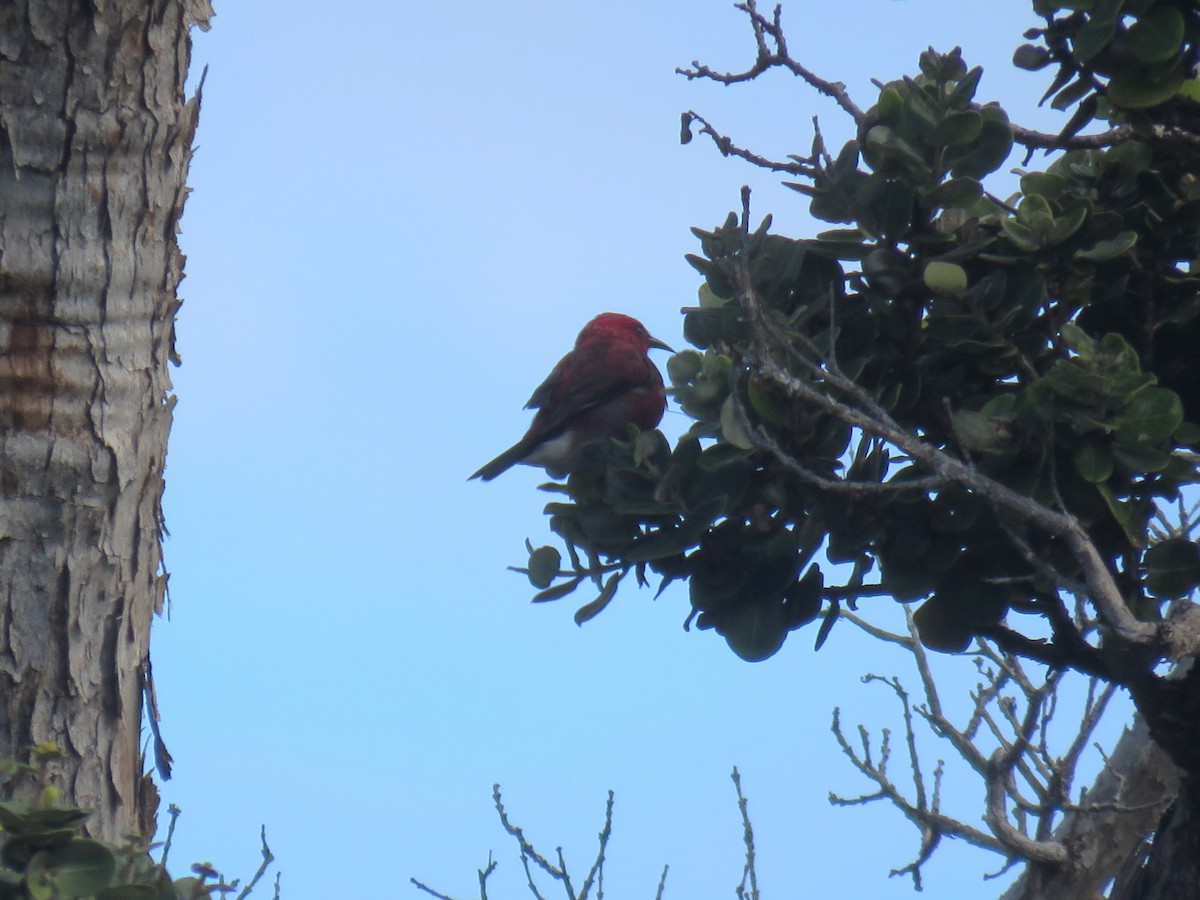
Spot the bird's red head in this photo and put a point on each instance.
(617, 326)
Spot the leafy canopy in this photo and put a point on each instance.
(974, 404)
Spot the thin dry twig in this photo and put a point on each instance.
(769, 32)
(749, 872)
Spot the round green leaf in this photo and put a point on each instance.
(1150, 417)
(948, 279)
(755, 631)
(1093, 37)
(1031, 57)
(709, 298)
(1191, 89)
(1065, 226)
(958, 128)
(961, 605)
(77, 869)
(1172, 568)
(978, 432)
(765, 403)
(684, 366)
(989, 150)
(1157, 34)
(955, 192)
(1141, 88)
(543, 566)
(939, 629)
(1140, 458)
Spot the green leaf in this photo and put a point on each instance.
(1071, 93)
(17, 818)
(765, 403)
(939, 629)
(1078, 340)
(557, 592)
(1065, 226)
(1109, 249)
(1031, 57)
(661, 544)
(886, 141)
(1021, 235)
(1191, 89)
(955, 192)
(978, 432)
(755, 631)
(1150, 417)
(1049, 184)
(1141, 88)
(80, 868)
(1126, 515)
(890, 104)
(1157, 34)
(964, 91)
(593, 609)
(1188, 435)
(543, 566)
(1094, 36)
(1172, 568)
(1093, 461)
(1036, 213)
(947, 279)
(957, 128)
(986, 153)
(684, 366)
(1140, 458)
(731, 426)
(708, 297)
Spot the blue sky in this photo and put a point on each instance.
(402, 214)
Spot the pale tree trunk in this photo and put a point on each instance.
(1108, 843)
(95, 140)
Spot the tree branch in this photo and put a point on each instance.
(729, 148)
(871, 418)
(767, 58)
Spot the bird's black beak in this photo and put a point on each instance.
(660, 345)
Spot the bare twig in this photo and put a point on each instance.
(527, 849)
(749, 873)
(767, 32)
(662, 883)
(267, 859)
(1037, 140)
(596, 873)
(729, 148)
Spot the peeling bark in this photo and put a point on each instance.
(1172, 869)
(95, 141)
(1139, 782)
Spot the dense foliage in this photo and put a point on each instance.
(44, 854)
(1044, 342)
(986, 408)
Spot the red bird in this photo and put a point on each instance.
(595, 391)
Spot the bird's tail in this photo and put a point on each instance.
(505, 460)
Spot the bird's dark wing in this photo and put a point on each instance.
(580, 383)
(545, 391)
